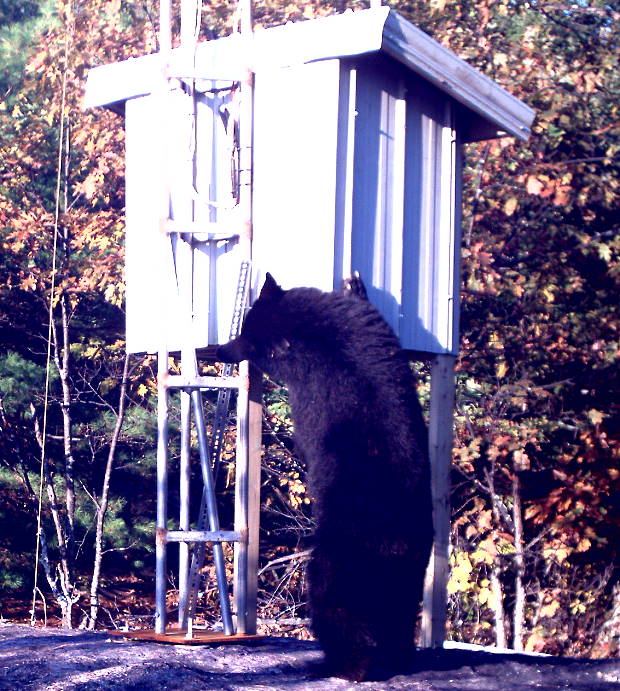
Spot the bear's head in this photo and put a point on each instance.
(262, 336)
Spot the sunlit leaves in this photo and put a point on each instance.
(538, 376)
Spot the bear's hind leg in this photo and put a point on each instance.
(345, 640)
(339, 616)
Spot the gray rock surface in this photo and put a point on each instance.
(55, 660)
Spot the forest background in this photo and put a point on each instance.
(536, 476)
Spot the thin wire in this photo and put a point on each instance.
(49, 327)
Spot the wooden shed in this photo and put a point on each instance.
(349, 160)
(359, 119)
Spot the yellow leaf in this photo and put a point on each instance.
(484, 596)
(532, 511)
(510, 206)
(549, 609)
(592, 80)
(521, 460)
(485, 521)
(485, 555)
(548, 293)
(595, 416)
(535, 642)
(562, 195)
(584, 544)
(558, 554)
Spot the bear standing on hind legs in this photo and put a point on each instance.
(359, 426)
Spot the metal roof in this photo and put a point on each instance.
(341, 35)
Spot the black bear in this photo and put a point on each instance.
(359, 426)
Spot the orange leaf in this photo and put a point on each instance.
(534, 185)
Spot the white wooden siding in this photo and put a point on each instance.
(345, 157)
(356, 167)
(396, 201)
(378, 187)
(295, 143)
(431, 226)
(156, 265)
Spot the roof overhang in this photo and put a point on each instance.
(496, 112)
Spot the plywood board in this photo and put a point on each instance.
(295, 142)
(176, 637)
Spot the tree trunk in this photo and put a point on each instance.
(66, 418)
(518, 617)
(498, 512)
(45, 560)
(59, 348)
(498, 607)
(62, 582)
(102, 504)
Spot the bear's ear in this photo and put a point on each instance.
(354, 286)
(270, 288)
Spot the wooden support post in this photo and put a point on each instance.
(255, 424)
(162, 492)
(247, 498)
(440, 451)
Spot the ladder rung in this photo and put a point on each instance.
(180, 381)
(203, 536)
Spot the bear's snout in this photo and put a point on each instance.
(234, 351)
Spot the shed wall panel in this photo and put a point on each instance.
(151, 295)
(193, 164)
(378, 187)
(402, 201)
(356, 171)
(431, 232)
(345, 155)
(295, 151)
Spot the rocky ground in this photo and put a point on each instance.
(55, 660)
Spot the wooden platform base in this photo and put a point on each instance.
(177, 637)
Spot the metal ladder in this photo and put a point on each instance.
(208, 527)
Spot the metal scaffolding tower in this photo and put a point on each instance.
(182, 233)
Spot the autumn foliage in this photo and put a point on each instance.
(536, 473)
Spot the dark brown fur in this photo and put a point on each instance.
(359, 425)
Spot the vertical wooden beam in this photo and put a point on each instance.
(247, 497)
(255, 429)
(162, 492)
(440, 451)
(249, 405)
